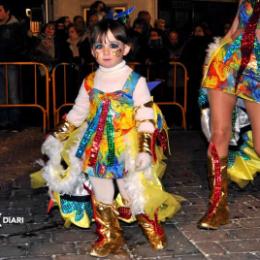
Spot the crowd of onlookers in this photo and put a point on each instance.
(66, 40)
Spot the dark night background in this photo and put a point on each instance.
(184, 14)
(179, 14)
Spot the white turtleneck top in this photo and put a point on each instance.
(111, 80)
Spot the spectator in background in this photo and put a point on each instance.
(63, 22)
(206, 29)
(193, 56)
(48, 48)
(12, 44)
(145, 15)
(62, 28)
(175, 76)
(175, 45)
(156, 49)
(77, 46)
(138, 41)
(79, 23)
(74, 40)
(91, 22)
(198, 31)
(226, 28)
(99, 8)
(157, 58)
(160, 24)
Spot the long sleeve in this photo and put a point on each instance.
(80, 110)
(144, 112)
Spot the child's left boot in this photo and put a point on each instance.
(110, 236)
(153, 231)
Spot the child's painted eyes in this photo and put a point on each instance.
(98, 46)
(114, 45)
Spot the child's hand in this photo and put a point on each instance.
(143, 161)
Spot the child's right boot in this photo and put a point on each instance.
(110, 237)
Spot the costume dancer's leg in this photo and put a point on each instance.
(221, 105)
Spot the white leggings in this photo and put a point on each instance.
(104, 189)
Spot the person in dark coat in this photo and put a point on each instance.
(193, 56)
(12, 46)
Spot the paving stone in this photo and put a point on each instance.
(28, 238)
(250, 223)
(187, 257)
(43, 236)
(236, 256)
(210, 248)
(12, 251)
(12, 229)
(67, 235)
(243, 233)
(207, 235)
(241, 245)
(33, 258)
(44, 248)
(74, 257)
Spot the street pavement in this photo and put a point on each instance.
(38, 235)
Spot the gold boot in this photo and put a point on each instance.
(153, 231)
(218, 213)
(110, 237)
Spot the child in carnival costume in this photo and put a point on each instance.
(114, 131)
(230, 102)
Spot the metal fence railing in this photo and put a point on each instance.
(65, 80)
(66, 83)
(23, 85)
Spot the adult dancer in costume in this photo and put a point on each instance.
(233, 71)
(122, 139)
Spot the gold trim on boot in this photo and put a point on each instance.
(153, 231)
(110, 237)
(217, 213)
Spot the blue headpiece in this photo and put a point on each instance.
(120, 16)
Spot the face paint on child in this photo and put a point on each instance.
(117, 53)
(109, 51)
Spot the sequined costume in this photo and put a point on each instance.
(106, 146)
(221, 72)
(232, 66)
(222, 69)
(110, 121)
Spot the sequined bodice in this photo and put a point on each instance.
(119, 106)
(110, 115)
